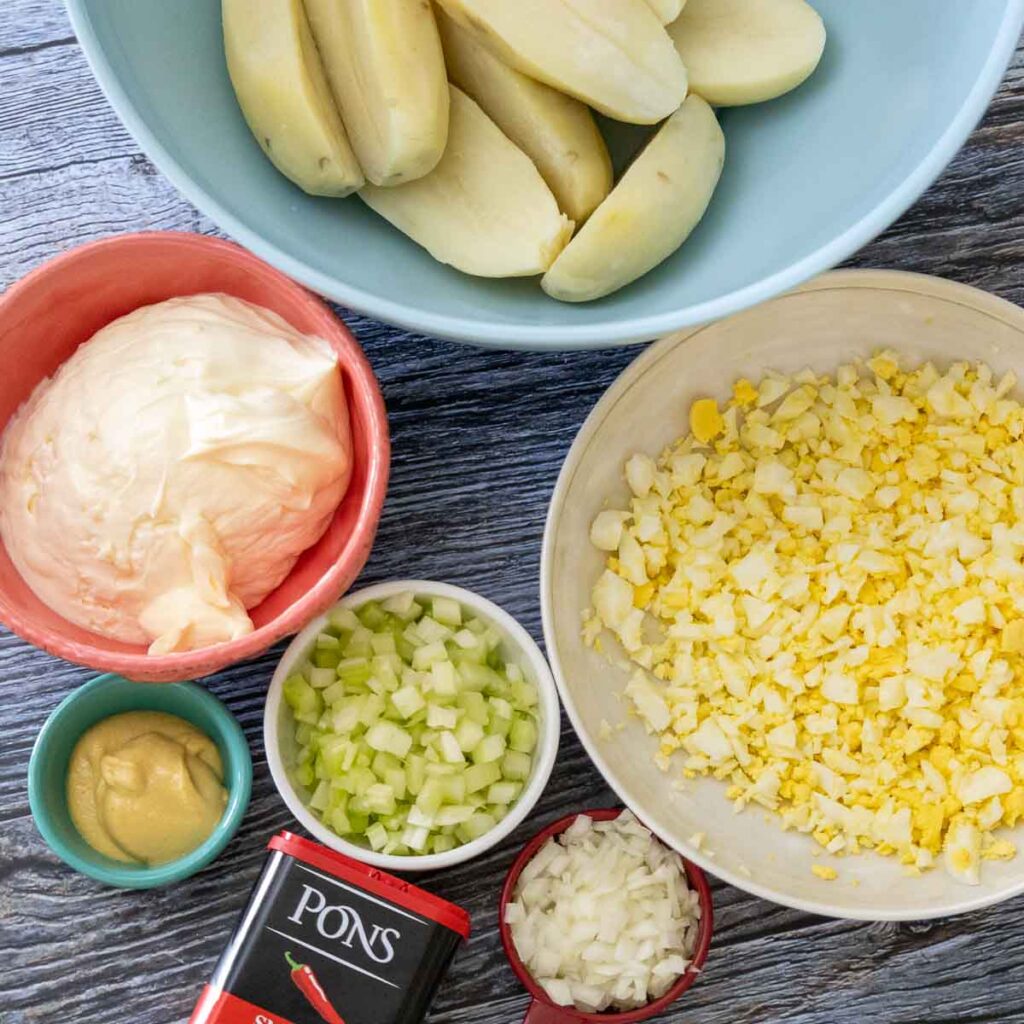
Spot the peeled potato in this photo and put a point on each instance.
(484, 209)
(650, 212)
(555, 131)
(614, 55)
(667, 10)
(280, 84)
(747, 51)
(384, 63)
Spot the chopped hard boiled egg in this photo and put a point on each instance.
(821, 588)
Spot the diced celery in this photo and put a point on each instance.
(415, 838)
(478, 677)
(490, 748)
(523, 735)
(474, 705)
(497, 811)
(301, 697)
(345, 716)
(504, 792)
(478, 825)
(343, 619)
(321, 796)
(498, 726)
(429, 654)
(513, 672)
(402, 605)
(395, 778)
(332, 755)
(324, 659)
(372, 709)
(447, 610)
(384, 762)
(371, 615)
(388, 737)
(383, 643)
(420, 818)
(358, 823)
(304, 775)
(339, 821)
(516, 765)
(524, 695)
(478, 626)
(431, 796)
(354, 670)
(334, 693)
(451, 752)
(466, 639)
(500, 707)
(454, 814)
(442, 844)
(380, 798)
(377, 836)
(468, 734)
(415, 773)
(431, 630)
(443, 680)
(439, 717)
(327, 641)
(454, 788)
(438, 768)
(303, 733)
(480, 776)
(408, 700)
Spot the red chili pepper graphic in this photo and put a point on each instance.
(309, 985)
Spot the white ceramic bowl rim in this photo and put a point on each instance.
(583, 336)
(547, 738)
(897, 281)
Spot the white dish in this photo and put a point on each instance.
(830, 321)
(518, 647)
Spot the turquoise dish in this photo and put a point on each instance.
(808, 180)
(110, 695)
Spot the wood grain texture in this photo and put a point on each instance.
(478, 440)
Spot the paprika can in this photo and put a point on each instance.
(328, 940)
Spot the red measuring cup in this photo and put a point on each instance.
(542, 1010)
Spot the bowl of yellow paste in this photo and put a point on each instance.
(139, 785)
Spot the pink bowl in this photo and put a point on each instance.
(49, 313)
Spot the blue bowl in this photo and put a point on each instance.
(809, 178)
(110, 695)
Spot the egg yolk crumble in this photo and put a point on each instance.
(821, 590)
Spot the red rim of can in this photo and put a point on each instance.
(542, 1010)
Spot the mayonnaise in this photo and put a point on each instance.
(169, 475)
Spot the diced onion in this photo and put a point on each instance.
(602, 916)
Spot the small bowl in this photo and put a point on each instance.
(542, 1010)
(111, 695)
(518, 646)
(54, 309)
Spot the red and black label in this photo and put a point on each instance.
(327, 940)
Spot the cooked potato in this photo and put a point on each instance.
(484, 209)
(280, 84)
(555, 131)
(384, 63)
(614, 55)
(650, 212)
(667, 10)
(747, 51)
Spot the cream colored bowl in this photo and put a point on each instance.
(830, 321)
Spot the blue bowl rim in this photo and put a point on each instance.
(238, 781)
(584, 336)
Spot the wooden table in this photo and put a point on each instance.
(478, 441)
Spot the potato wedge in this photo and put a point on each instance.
(667, 10)
(484, 209)
(650, 212)
(555, 131)
(614, 55)
(280, 84)
(747, 51)
(384, 63)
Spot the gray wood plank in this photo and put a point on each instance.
(471, 480)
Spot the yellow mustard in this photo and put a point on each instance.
(145, 787)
